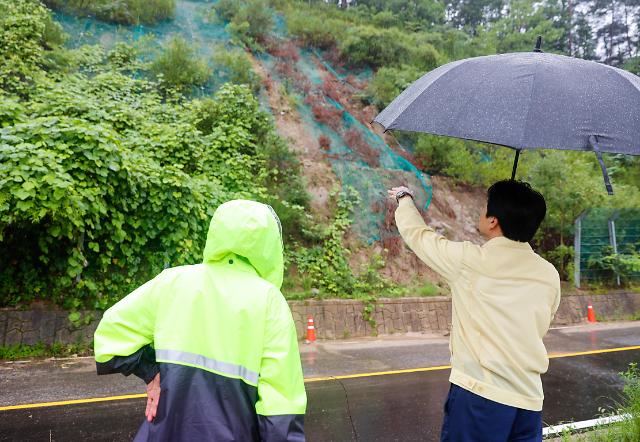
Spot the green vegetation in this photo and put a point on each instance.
(325, 266)
(40, 350)
(178, 66)
(429, 289)
(107, 177)
(123, 11)
(250, 21)
(623, 264)
(401, 41)
(627, 430)
(234, 65)
(632, 65)
(389, 82)
(110, 168)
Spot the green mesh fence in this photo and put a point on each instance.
(359, 157)
(598, 230)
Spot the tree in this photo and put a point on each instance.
(614, 28)
(518, 30)
(583, 44)
(469, 14)
(424, 13)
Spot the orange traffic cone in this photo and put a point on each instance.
(311, 331)
(591, 315)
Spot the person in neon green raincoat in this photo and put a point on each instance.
(215, 342)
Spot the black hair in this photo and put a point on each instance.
(518, 208)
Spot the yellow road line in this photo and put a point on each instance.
(377, 373)
(593, 352)
(73, 401)
(307, 380)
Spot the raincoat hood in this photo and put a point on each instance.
(251, 230)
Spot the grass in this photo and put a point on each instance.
(426, 290)
(429, 290)
(40, 350)
(627, 430)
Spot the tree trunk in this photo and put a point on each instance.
(613, 17)
(626, 25)
(570, 20)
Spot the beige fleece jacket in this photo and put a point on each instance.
(504, 297)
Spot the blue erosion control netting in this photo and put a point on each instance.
(596, 231)
(193, 20)
(359, 157)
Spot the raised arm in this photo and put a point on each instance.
(443, 256)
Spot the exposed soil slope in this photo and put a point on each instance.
(454, 210)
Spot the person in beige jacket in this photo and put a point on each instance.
(504, 297)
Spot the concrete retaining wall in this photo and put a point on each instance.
(334, 319)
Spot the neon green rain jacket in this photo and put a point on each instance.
(221, 335)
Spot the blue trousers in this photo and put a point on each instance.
(472, 418)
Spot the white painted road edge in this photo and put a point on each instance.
(574, 426)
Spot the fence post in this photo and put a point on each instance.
(612, 237)
(577, 237)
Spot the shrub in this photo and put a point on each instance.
(326, 264)
(625, 265)
(435, 152)
(429, 289)
(425, 57)
(234, 66)
(23, 38)
(123, 55)
(313, 30)
(366, 45)
(123, 11)
(374, 47)
(632, 65)
(104, 181)
(178, 66)
(385, 19)
(227, 9)
(562, 259)
(250, 21)
(389, 82)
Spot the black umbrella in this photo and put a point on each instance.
(526, 100)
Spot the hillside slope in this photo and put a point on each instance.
(453, 210)
(318, 111)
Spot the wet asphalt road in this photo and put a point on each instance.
(397, 407)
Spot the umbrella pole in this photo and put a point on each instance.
(515, 164)
(593, 140)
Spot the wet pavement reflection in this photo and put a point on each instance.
(391, 407)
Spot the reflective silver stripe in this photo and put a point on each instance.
(209, 364)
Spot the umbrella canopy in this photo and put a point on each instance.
(526, 100)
